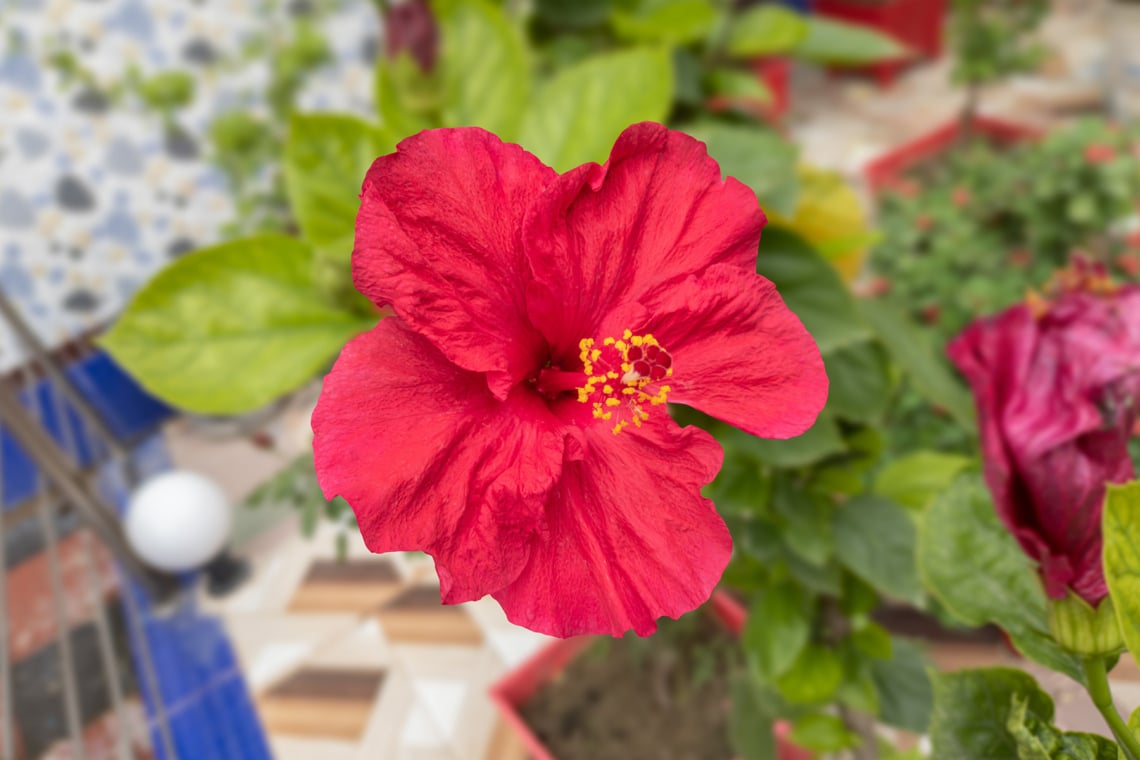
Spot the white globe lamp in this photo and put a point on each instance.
(178, 521)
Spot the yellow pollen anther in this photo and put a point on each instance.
(624, 377)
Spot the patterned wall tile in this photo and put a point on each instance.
(95, 195)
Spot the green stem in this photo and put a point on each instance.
(1097, 676)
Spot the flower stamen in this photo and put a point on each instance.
(623, 377)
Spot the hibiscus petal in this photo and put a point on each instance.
(630, 539)
(438, 237)
(739, 354)
(658, 210)
(429, 460)
(995, 356)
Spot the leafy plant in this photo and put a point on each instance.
(989, 223)
(992, 40)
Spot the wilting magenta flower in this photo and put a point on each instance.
(1056, 383)
(509, 420)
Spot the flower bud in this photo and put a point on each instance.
(1085, 631)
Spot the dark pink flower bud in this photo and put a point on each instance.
(1056, 384)
(410, 26)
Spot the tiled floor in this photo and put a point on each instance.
(359, 660)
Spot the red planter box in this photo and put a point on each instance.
(915, 23)
(518, 686)
(888, 171)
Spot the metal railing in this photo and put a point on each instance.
(40, 390)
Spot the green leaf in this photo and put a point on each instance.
(577, 115)
(765, 30)
(860, 387)
(740, 84)
(977, 570)
(807, 528)
(751, 721)
(811, 288)
(913, 480)
(759, 158)
(486, 72)
(814, 677)
(778, 628)
(822, 733)
(1039, 739)
(673, 22)
(407, 98)
(971, 710)
(821, 440)
(872, 640)
(326, 157)
(876, 540)
(911, 349)
(1121, 525)
(903, 685)
(838, 43)
(228, 329)
(575, 14)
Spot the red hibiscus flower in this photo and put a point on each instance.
(1056, 386)
(510, 419)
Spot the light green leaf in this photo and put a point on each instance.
(977, 570)
(822, 733)
(903, 685)
(407, 98)
(759, 158)
(228, 329)
(765, 30)
(876, 540)
(778, 628)
(739, 84)
(811, 288)
(860, 386)
(814, 677)
(577, 115)
(911, 349)
(913, 480)
(326, 157)
(971, 710)
(1121, 525)
(486, 71)
(839, 43)
(673, 22)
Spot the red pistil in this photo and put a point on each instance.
(552, 381)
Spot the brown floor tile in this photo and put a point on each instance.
(324, 702)
(416, 616)
(352, 586)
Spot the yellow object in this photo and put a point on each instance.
(830, 216)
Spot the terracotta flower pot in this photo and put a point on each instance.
(888, 171)
(915, 23)
(521, 684)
